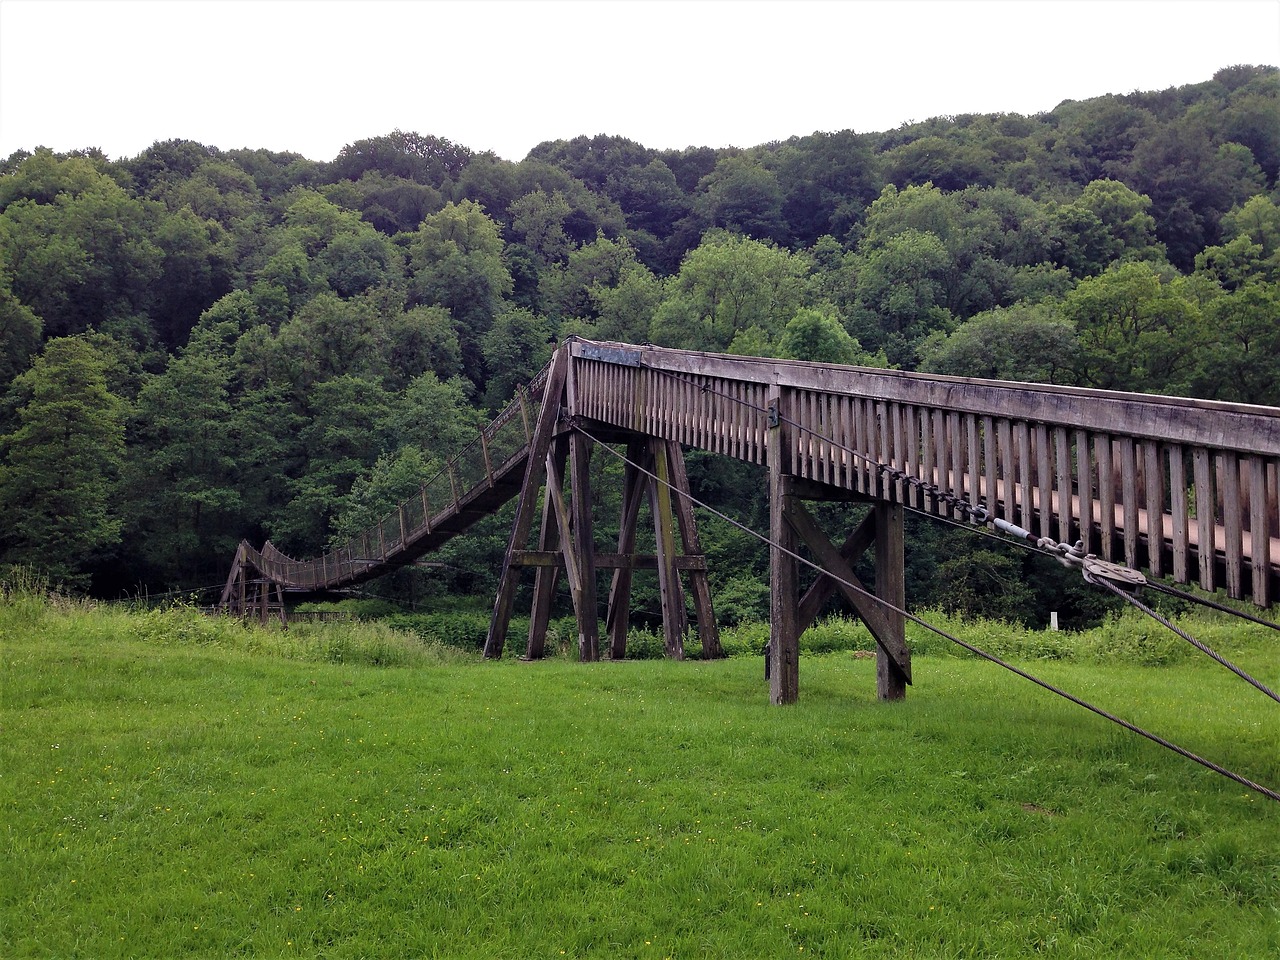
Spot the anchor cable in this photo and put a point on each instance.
(977, 651)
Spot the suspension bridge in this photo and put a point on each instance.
(1124, 486)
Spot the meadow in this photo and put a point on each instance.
(178, 786)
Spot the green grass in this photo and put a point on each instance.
(176, 787)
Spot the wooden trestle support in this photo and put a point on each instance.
(566, 540)
(245, 596)
(790, 613)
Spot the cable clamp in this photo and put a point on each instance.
(1097, 570)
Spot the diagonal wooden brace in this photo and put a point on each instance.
(873, 614)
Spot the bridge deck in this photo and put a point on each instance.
(1063, 463)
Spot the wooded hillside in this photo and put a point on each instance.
(201, 344)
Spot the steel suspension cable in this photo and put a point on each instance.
(977, 651)
(1130, 598)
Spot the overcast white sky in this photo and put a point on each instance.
(311, 76)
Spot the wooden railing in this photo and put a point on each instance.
(470, 485)
(1184, 488)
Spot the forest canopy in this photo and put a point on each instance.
(199, 345)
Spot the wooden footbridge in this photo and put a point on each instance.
(1183, 489)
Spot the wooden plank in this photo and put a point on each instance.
(670, 592)
(1202, 469)
(784, 634)
(1106, 495)
(862, 442)
(873, 614)
(708, 632)
(1062, 478)
(1007, 460)
(1084, 491)
(891, 587)
(1232, 520)
(1169, 419)
(928, 463)
(990, 464)
(1179, 512)
(824, 587)
(1044, 481)
(1129, 494)
(1154, 482)
(943, 438)
(545, 578)
(910, 436)
(1026, 516)
(634, 489)
(1259, 535)
(526, 504)
(584, 545)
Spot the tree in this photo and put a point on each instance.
(79, 249)
(515, 348)
(344, 433)
(1242, 360)
(1136, 331)
(423, 159)
(456, 262)
(1029, 343)
(742, 196)
(729, 284)
(818, 336)
(900, 295)
(20, 331)
(59, 475)
(184, 501)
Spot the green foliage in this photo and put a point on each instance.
(1128, 241)
(61, 465)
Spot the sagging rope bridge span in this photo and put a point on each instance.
(1184, 489)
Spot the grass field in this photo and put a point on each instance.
(180, 788)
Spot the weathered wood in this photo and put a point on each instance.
(1084, 490)
(1205, 502)
(634, 489)
(891, 587)
(669, 588)
(887, 632)
(1128, 466)
(1233, 533)
(784, 635)
(1154, 477)
(584, 546)
(1044, 482)
(824, 587)
(1179, 513)
(525, 507)
(1106, 494)
(1259, 535)
(544, 584)
(1062, 477)
(708, 632)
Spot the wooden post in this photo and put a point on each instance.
(634, 488)
(784, 634)
(673, 614)
(534, 471)
(708, 632)
(584, 545)
(885, 625)
(545, 578)
(891, 587)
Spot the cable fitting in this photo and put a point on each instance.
(1099, 571)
